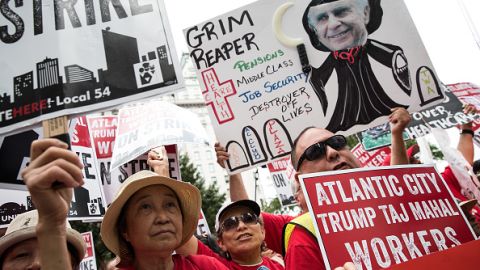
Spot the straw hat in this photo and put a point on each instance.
(23, 228)
(188, 197)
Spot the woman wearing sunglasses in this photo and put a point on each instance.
(241, 238)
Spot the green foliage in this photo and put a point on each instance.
(271, 207)
(275, 207)
(352, 140)
(436, 152)
(212, 200)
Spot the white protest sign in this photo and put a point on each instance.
(88, 201)
(260, 98)
(69, 57)
(12, 203)
(144, 126)
(469, 183)
(202, 227)
(282, 173)
(14, 157)
(89, 262)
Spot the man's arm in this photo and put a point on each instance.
(237, 188)
(399, 119)
(52, 174)
(465, 144)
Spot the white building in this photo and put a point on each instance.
(204, 157)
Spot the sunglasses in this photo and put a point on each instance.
(319, 149)
(233, 222)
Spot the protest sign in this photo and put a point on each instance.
(446, 115)
(61, 58)
(202, 227)
(381, 217)
(469, 93)
(14, 157)
(102, 134)
(144, 126)
(261, 91)
(377, 137)
(88, 201)
(468, 182)
(89, 262)
(12, 203)
(282, 173)
(370, 158)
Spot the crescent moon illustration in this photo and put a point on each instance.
(277, 27)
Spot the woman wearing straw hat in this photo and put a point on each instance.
(150, 217)
(240, 234)
(44, 239)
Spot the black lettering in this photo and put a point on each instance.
(90, 12)
(37, 17)
(242, 17)
(105, 9)
(60, 6)
(14, 19)
(104, 173)
(136, 9)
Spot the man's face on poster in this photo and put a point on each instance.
(340, 24)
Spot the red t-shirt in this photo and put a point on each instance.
(454, 186)
(274, 230)
(194, 262)
(267, 263)
(303, 251)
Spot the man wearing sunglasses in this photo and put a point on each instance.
(319, 150)
(327, 153)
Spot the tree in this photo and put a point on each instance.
(212, 200)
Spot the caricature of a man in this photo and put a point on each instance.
(342, 27)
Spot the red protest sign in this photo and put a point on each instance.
(373, 158)
(382, 217)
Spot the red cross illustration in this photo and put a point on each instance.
(216, 93)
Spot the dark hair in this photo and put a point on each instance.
(376, 14)
(293, 156)
(476, 166)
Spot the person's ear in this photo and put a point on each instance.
(125, 236)
(221, 244)
(367, 14)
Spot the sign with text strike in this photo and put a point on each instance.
(69, 57)
(262, 90)
(382, 217)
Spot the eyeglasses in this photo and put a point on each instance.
(319, 149)
(233, 222)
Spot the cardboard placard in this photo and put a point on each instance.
(89, 262)
(150, 124)
(261, 92)
(381, 217)
(282, 173)
(88, 200)
(103, 134)
(370, 158)
(66, 58)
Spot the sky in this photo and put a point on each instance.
(441, 24)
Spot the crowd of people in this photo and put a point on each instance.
(154, 216)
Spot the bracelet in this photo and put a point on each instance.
(467, 131)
